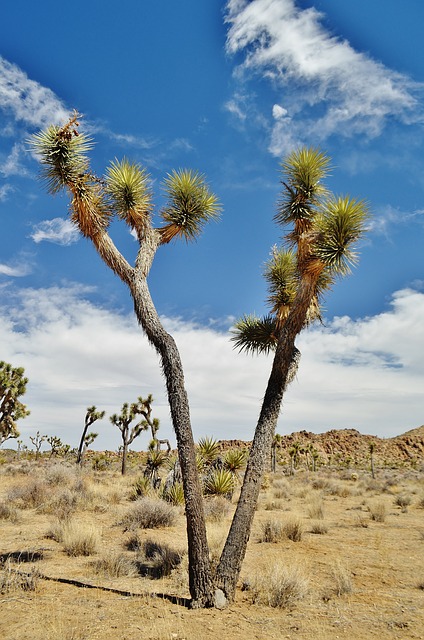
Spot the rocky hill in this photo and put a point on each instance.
(349, 447)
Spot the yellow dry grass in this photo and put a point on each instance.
(364, 578)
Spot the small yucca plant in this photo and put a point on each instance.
(175, 494)
(208, 449)
(220, 482)
(235, 459)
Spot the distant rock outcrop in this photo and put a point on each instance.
(348, 447)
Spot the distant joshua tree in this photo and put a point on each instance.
(86, 439)
(37, 441)
(129, 413)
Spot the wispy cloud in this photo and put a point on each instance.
(385, 218)
(290, 46)
(16, 269)
(13, 166)
(27, 100)
(366, 373)
(5, 189)
(58, 230)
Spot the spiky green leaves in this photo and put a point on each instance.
(340, 224)
(190, 205)
(255, 335)
(282, 279)
(303, 171)
(128, 187)
(62, 153)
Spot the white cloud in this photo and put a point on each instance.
(57, 230)
(27, 100)
(356, 94)
(12, 165)
(366, 373)
(15, 270)
(278, 112)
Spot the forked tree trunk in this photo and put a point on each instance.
(234, 551)
(201, 585)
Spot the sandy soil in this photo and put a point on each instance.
(365, 578)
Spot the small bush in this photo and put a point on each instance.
(378, 511)
(294, 529)
(319, 527)
(272, 531)
(279, 586)
(403, 501)
(342, 579)
(159, 559)
(32, 495)
(77, 539)
(316, 510)
(216, 509)
(7, 512)
(115, 565)
(12, 579)
(149, 513)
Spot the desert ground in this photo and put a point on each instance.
(334, 553)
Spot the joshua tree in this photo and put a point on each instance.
(56, 445)
(90, 417)
(12, 387)
(145, 409)
(129, 413)
(318, 248)
(125, 193)
(37, 441)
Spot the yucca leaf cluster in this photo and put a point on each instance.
(125, 191)
(321, 231)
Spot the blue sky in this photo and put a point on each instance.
(226, 88)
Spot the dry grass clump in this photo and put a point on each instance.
(294, 528)
(114, 565)
(149, 513)
(403, 501)
(77, 539)
(273, 505)
(8, 512)
(272, 531)
(319, 527)
(32, 495)
(275, 530)
(316, 509)
(216, 509)
(13, 579)
(378, 510)
(342, 579)
(59, 474)
(278, 586)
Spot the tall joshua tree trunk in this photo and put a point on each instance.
(200, 578)
(232, 556)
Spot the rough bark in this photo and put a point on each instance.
(232, 556)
